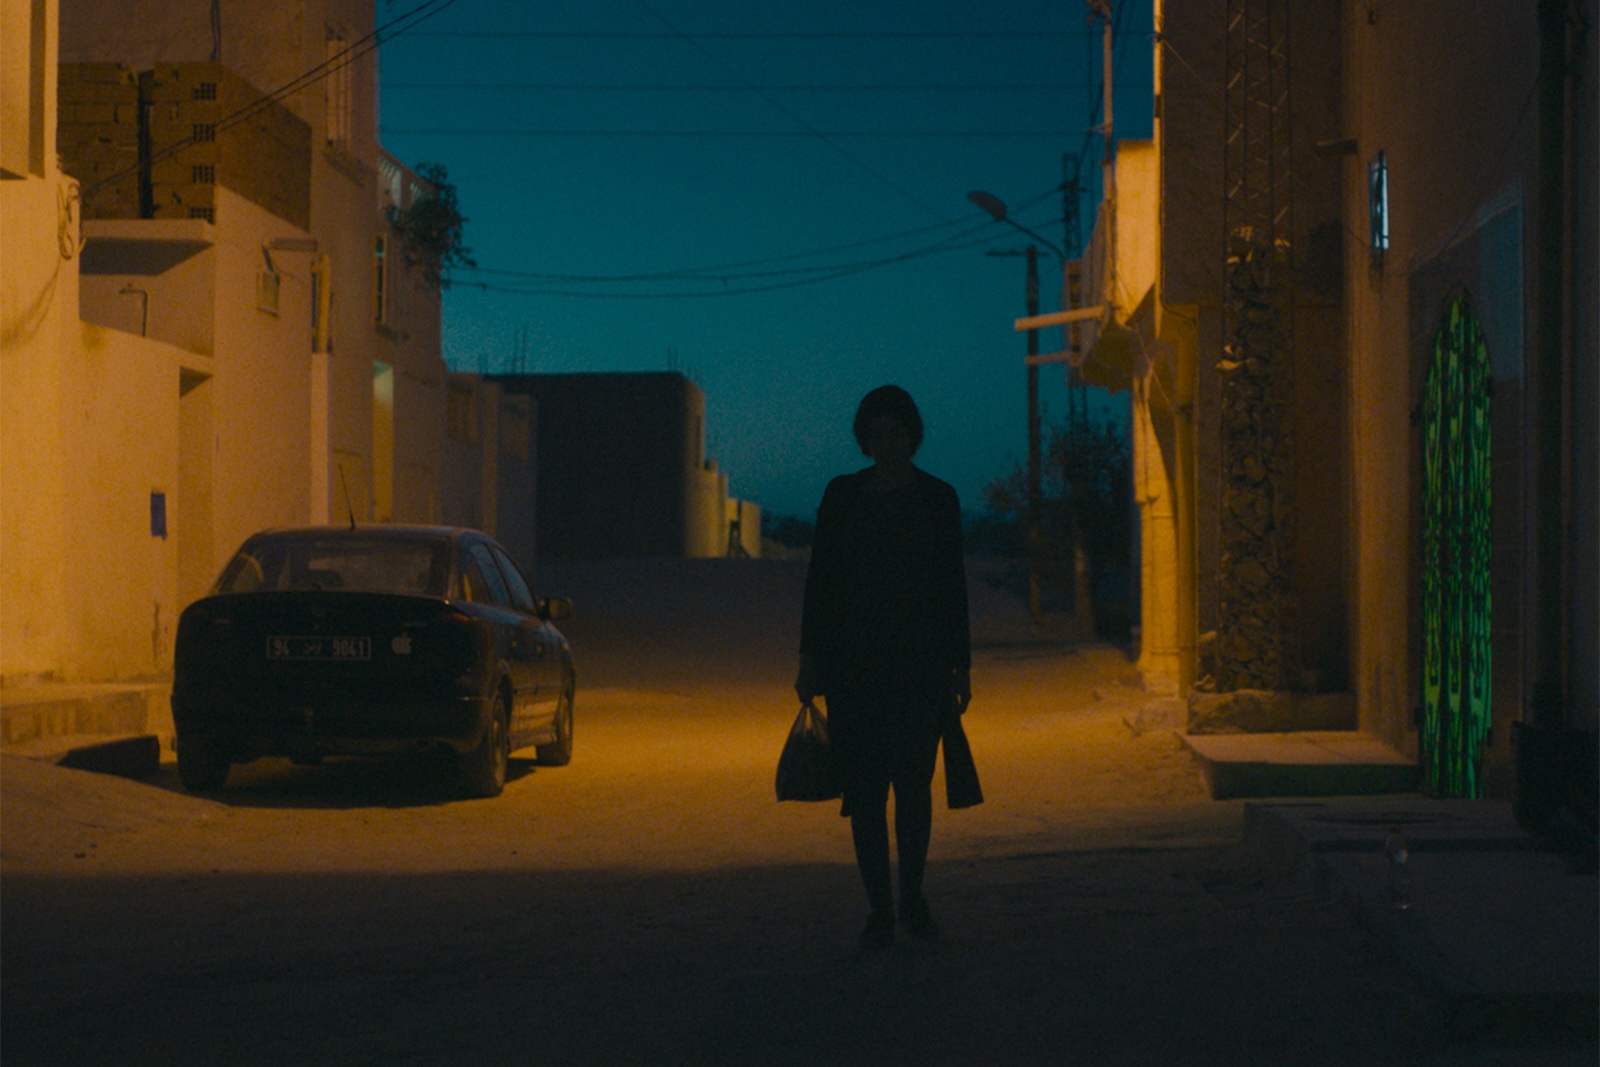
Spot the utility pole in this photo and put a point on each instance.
(1035, 470)
(1035, 459)
(997, 210)
(1072, 289)
(1108, 162)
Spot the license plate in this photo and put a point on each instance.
(320, 648)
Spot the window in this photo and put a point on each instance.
(389, 181)
(379, 565)
(203, 174)
(380, 278)
(204, 131)
(204, 91)
(491, 586)
(521, 595)
(205, 213)
(337, 87)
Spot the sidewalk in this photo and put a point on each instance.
(1511, 933)
(113, 727)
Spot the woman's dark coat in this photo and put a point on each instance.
(886, 602)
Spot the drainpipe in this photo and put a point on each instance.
(1551, 346)
(1542, 768)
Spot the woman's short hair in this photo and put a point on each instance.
(895, 402)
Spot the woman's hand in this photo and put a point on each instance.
(806, 683)
(961, 689)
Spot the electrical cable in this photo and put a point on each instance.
(812, 275)
(677, 34)
(791, 114)
(741, 270)
(811, 132)
(714, 87)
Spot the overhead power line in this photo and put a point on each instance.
(648, 35)
(724, 87)
(450, 131)
(736, 279)
(788, 112)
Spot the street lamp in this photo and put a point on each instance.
(997, 209)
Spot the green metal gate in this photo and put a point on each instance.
(1456, 599)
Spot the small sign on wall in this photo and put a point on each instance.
(158, 514)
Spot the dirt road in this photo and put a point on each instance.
(652, 903)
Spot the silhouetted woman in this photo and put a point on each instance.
(884, 636)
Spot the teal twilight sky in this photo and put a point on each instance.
(772, 199)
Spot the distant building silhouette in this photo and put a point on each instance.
(622, 471)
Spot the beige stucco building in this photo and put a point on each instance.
(1352, 283)
(210, 325)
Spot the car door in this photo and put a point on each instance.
(518, 634)
(547, 662)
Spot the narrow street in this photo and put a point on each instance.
(652, 904)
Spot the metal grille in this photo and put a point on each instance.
(1255, 645)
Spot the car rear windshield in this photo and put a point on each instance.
(369, 565)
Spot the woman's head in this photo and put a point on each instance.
(888, 402)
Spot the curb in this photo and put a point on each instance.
(1506, 930)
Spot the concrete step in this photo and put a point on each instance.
(1301, 764)
(44, 714)
(1507, 928)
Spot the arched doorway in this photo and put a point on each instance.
(1456, 601)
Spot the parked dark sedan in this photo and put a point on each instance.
(371, 641)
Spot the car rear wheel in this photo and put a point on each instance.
(483, 770)
(202, 768)
(558, 753)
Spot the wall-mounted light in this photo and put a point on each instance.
(1378, 208)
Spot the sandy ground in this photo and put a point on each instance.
(653, 904)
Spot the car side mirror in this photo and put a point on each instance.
(554, 608)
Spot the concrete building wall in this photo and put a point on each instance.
(123, 505)
(1460, 156)
(621, 467)
(616, 455)
(1185, 478)
(516, 474)
(152, 279)
(38, 315)
(461, 497)
(312, 159)
(488, 474)
(199, 286)
(706, 513)
(1190, 74)
(1138, 214)
(262, 377)
(408, 344)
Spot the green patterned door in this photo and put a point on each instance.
(1455, 557)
